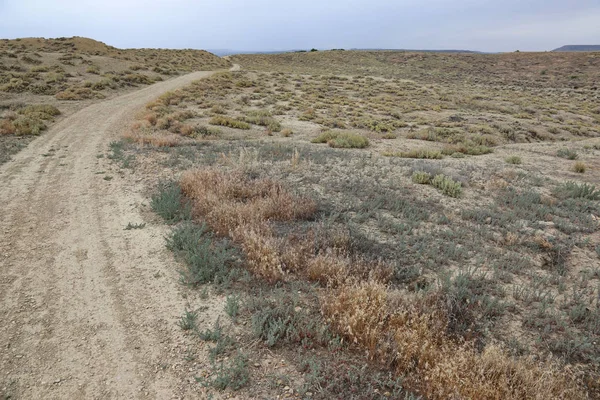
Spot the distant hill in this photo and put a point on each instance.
(579, 48)
(424, 51)
(227, 52)
(176, 60)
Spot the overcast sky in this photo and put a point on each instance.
(485, 25)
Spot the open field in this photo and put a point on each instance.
(348, 225)
(64, 75)
(444, 210)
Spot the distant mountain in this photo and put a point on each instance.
(579, 48)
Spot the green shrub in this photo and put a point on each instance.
(229, 122)
(170, 204)
(516, 160)
(418, 153)
(421, 177)
(204, 131)
(567, 153)
(325, 137)
(25, 125)
(93, 69)
(207, 259)
(347, 140)
(574, 190)
(263, 118)
(232, 373)
(447, 185)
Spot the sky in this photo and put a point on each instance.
(270, 25)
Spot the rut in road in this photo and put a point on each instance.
(82, 314)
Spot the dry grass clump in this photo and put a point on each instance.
(414, 340)
(230, 200)
(234, 205)
(579, 167)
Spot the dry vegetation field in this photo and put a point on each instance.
(437, 215)
(42, 78)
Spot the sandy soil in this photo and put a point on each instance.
(87, 309)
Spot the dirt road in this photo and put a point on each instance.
(87, 309)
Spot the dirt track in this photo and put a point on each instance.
(87, 309)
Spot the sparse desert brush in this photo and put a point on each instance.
(515, 160)
(421, 177)
(342, 139)
(78, 93)
(28, 120)
(568, 154)
(579, 167)
(575, 190)
(154, 139)
(263, 118)
(417, 153)
(229, 122)
(468, 149)
(93, 69)
(447, 185)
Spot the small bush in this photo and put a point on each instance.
(421, 177)
(418, 153)
(207, 259)
(204, 131)
(574, 190)
(229, 122)
(263, 118)
(568, 154)
(325, 137)
(515, 160)
(93, 69)
(187, 321)
(447, 185)
(347, 140)
(233, 374)
(169, 203)
(579, 167)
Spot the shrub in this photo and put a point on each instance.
(574, 190)
(421, 177)
(25, 125)
(169, 203)
(229, 122)
(567, 153)
(263, 118)
(342, 139)
(447, 185)
(579, 167)
(418, 153)
(516, 160)
(207, 260)
(93, 69)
